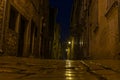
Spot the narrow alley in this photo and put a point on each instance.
(59, 39)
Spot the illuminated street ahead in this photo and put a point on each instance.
(13, 68)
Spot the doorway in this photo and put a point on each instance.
(21, 41)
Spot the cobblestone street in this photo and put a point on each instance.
(13, 68)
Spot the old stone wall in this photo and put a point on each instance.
(26, 9)
(2, 3)
(11, 43)
(104, 42)
(93, 25)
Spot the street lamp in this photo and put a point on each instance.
(69, 42)
(68, 50)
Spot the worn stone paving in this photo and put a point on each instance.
(16, 68)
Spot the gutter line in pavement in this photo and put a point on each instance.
(88, 69)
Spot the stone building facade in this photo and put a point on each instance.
(21, 27)
(45, 38)
(54, 34)
(77, 27)
(2, 12)
(56, 43)
(99, 20)
(104, 34)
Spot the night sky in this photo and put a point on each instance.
(63, 16)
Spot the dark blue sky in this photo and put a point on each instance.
(63, 16)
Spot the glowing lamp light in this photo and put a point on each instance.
(69, 42)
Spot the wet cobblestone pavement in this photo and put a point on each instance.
(13, 68)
